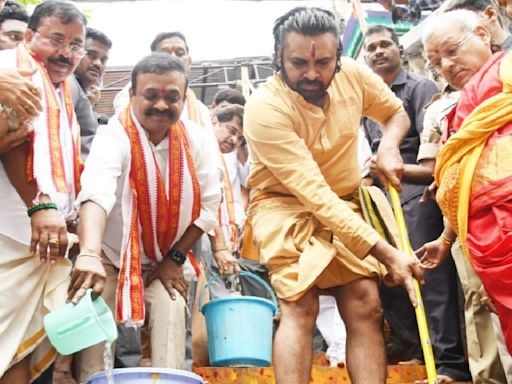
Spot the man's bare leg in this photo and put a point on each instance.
(62, 370)
(360, 308)
(17, 374)
(293, 342)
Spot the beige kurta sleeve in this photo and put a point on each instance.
(274, 143)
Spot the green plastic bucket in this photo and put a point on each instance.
(74, 327)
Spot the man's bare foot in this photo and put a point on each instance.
(411, 362)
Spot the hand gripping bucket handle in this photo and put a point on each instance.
(242, 273)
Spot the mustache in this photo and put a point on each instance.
(379, 57)
(156, 112)
(310, 82)
(60, 60)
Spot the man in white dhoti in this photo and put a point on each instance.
(42, 174)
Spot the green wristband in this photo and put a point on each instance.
(40, 207)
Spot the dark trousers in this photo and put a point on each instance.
(440, 296)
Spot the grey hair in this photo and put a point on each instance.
(461, 19)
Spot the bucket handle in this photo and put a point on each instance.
(242, 273)
(94, 314)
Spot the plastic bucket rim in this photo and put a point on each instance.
(157, 370)
(242, 273)
(262, 300)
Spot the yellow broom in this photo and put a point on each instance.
(421, 318)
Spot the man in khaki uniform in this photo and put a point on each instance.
(304, 220)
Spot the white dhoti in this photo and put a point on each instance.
(28, 291)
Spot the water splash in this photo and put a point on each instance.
(108, 362)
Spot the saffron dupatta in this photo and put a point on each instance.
(193, 113)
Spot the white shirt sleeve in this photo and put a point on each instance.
(243, 170)
(364, 154)
(207, 175)
(109, 157)
(122, 99)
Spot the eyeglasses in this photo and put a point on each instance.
(451, 52)
(58, 43)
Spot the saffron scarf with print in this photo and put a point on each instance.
(159, 213)
(194, 114)
(45, 160)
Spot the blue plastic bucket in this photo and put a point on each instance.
(74, 327)
(146, 376)
(239, 328)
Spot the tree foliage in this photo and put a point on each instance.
(29, 2)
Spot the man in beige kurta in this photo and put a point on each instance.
(304, 220)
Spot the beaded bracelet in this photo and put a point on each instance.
(40, 207)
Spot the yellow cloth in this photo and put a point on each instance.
(459, 157)
(310, 154)
(28, 291)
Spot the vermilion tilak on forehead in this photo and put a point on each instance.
(312, 50)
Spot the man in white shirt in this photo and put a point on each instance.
(175, 44)
(144, 229)
(42, 175)
(237, 161)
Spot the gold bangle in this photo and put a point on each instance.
(445, 240)
(219, 249)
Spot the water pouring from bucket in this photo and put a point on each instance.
(239, 328)
(74, 327)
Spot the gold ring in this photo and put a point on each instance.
(53, 241)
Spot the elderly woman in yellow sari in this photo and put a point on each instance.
(474, 166)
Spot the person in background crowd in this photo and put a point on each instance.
(14, 89)
(13, 23)
(92, 67)
(491, 17)
(89, 74)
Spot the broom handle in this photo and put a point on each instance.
(421, 318)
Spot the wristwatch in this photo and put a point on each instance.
(177, 256)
